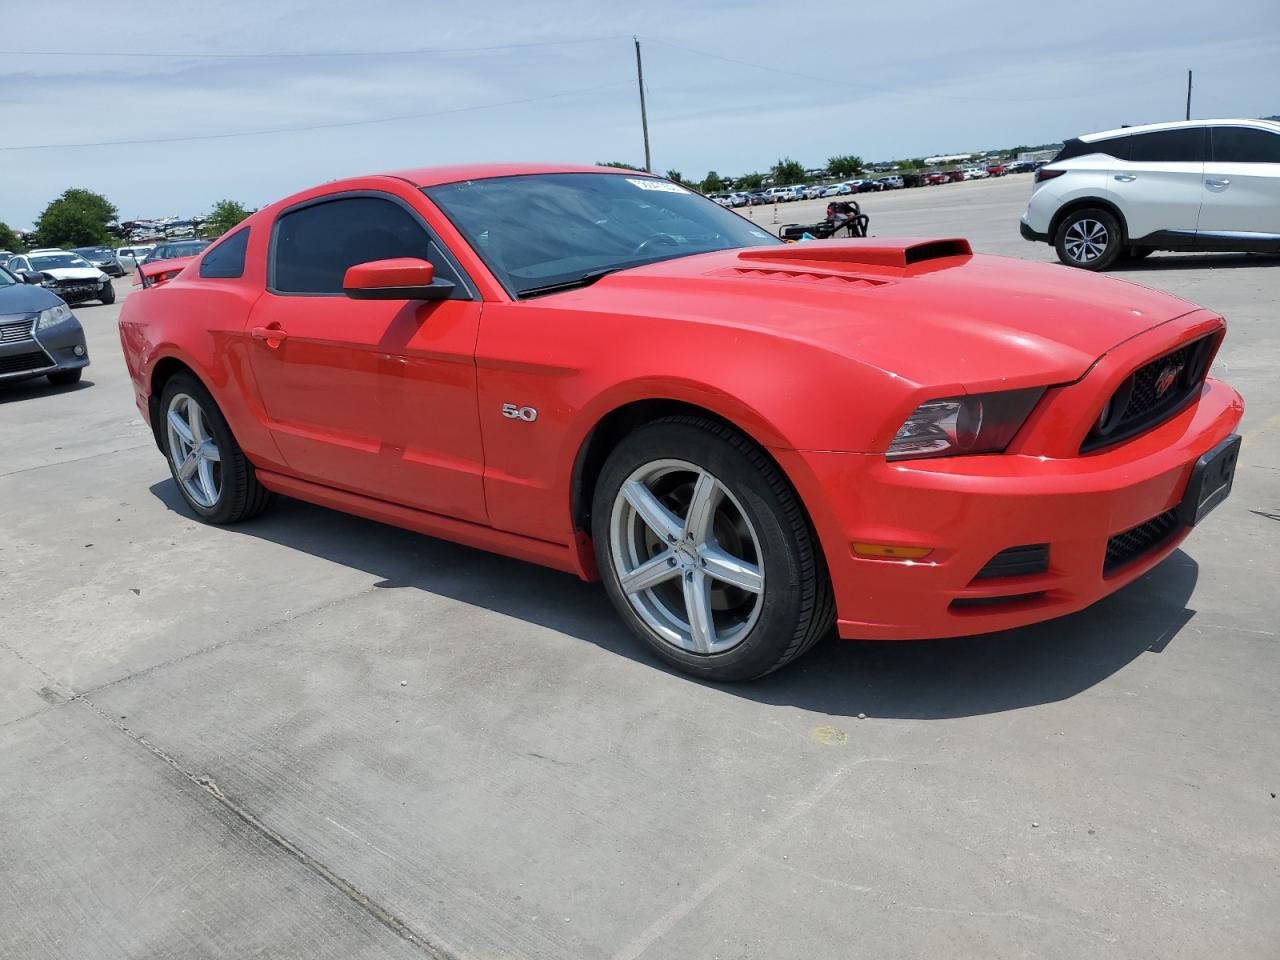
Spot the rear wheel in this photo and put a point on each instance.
(706, 552)
(212, 473)
(1090, 239)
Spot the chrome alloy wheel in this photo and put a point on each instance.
(1086, 240)
(197, 462)
(687, 558)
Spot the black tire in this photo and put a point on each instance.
(108, 294)
(1137, 253)
(797, 606)
(65, 378)
(1090, 239)
(241, 496)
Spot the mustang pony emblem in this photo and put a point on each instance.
(1168, 377)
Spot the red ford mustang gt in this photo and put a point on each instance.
(748, 441)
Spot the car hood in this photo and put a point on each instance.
(24, 298)
(74, 273)
(923, 309)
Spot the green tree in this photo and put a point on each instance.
(712, 183)
(9, 240)
(225, 215)
(845, 165)
(675, 176)
(751, 181)
(787, 171)
(78, 218)
(619, 164)
(916, 163)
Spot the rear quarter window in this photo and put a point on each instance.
(226, 260)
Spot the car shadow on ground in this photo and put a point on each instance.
(38, 387)
(1196, 261)
(931, 679)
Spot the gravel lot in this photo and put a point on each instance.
(313, 736)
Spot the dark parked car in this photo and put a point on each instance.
(179, 248)
(39, 335)
(104, 258)
(757, 197)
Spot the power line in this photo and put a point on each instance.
(315, 126)
(290, 54)
(860, 86)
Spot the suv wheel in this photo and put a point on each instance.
(1090, 239)
(706, 552)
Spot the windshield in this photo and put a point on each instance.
(6, 278)
(101, 253)
(58, 261)
(540, 230)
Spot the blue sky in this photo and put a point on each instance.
(946, 77)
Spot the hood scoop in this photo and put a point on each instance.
(897, 253)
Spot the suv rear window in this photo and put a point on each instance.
(1245, 145)
(1075, 147)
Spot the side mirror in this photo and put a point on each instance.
(30, 276)
(404, 278)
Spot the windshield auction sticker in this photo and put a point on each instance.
(666, 186)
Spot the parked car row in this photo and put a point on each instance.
(39, 335)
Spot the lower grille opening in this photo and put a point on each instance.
(971, 603)
(1030, 558)
(25, 361)
(1136, 542)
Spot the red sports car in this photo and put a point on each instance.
(750, 442)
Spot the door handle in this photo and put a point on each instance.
(1126, 177)
(1216, 181)
(272, 335)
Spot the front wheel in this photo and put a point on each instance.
(1090, 239)
(65, 378)
(212, 473)
(706, 552)
(108, 294)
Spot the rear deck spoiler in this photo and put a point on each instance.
(162, 271)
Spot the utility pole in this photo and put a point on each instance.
(1188, 89)
(644, 117)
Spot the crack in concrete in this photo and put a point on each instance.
(346, 888)
(63, 463)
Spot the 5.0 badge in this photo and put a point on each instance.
(512, 412)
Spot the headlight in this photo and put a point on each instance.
(980, 423)
(53, 316)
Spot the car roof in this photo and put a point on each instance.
(1271, 125)
(434, 176)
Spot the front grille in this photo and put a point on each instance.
(16, 332)
(1152, 393)
(24, 362)
(1020, 561)
(1137, 542)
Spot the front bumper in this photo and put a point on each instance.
(968, 509)
(79, 291)
(50, 351)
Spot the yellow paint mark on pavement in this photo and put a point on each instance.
(829, 736)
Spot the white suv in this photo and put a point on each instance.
(1191, 185)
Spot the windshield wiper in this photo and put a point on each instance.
(586, 280)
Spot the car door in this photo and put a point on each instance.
(1241, 184)
(1155, 181)
(373, 396)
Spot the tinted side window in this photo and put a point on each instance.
(1168, 146)
(1245, 145)
(226, 260)
(315, 245)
